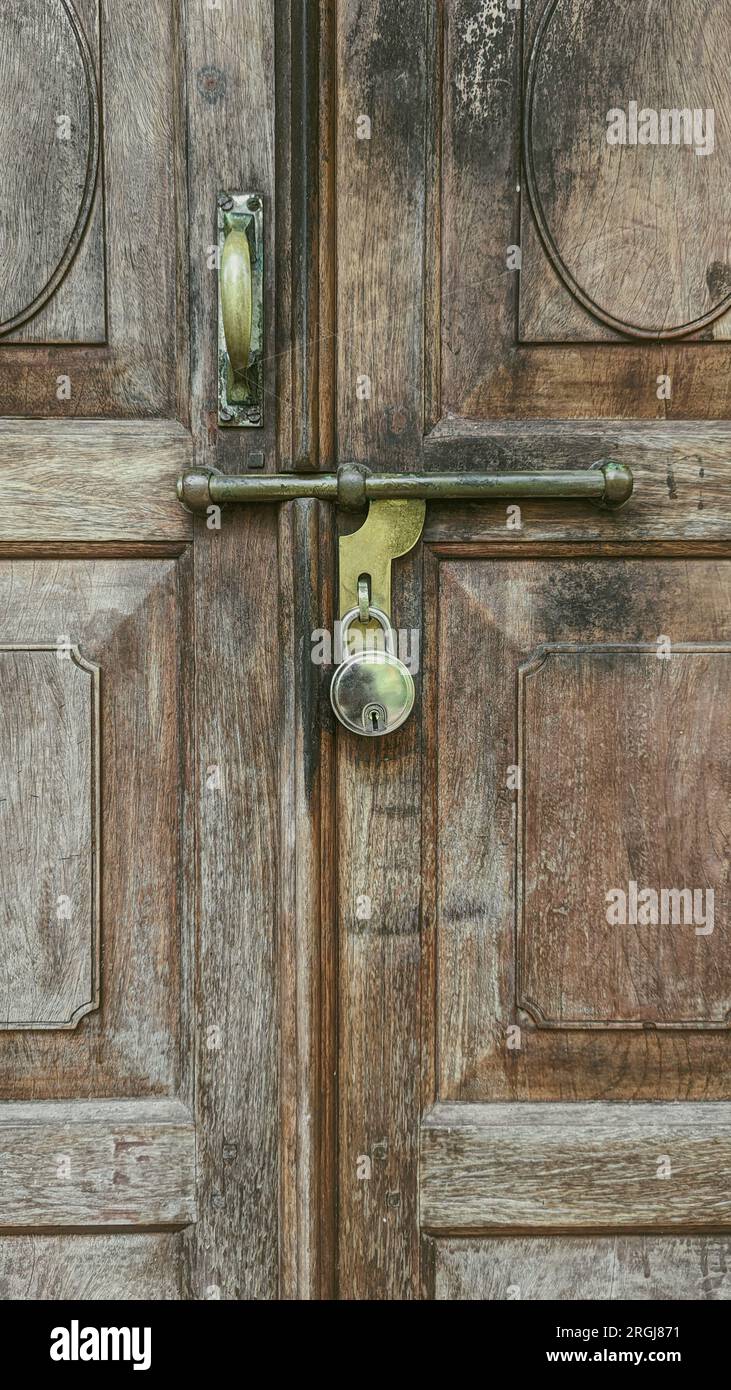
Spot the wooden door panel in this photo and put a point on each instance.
(565, 1268)
(50, 74)
(573, 1166)
(562, 260)
(644, 800)
(98, 1163)
(91, 1267)
(50, 775)
(624, 219)
(622, 761)
(88, 295)
(157, 822)
(121, 801)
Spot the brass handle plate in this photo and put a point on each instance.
(240, 309)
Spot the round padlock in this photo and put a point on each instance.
(372, 691)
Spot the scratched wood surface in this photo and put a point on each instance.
(381, 73)
(667, 967)
(234, 1248)
(90, 1267)
(567, 1268)
(624, 239)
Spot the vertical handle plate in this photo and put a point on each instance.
(240, 310)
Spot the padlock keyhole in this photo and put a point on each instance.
(375, 716)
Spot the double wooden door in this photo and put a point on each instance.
(286, 1012)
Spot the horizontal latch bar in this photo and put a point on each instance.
(354, 486)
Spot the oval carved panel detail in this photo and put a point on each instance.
(627, 148)
(49, 151)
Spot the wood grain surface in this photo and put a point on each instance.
(90, 1267)
(50, 103)
(564, 1166)
(82, 481)
(112, 327)
(567, 1268)
(234, 1249)
(50, 785)
(486, 618)
(126, 618)
(627, 799)
(682, 481)
(479, 201)
(380, 74)
(96, 1163)
(634, 234)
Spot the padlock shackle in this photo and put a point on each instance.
(378, 614)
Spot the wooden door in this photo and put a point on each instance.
(532, 1059)
(139, 813)
(286, 1013)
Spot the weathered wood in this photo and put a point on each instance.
(226, 798)
(136, 308)
(81, 489)
(90, 1267)
(66, 481)
(566, 1166)
(229, 78)
(50, 891)
(634, 721)
(233, 1252)
(52, 277)
(487, 370)
(96, 1163)
(496, 613)
(307, 929)
(298, 288)
(568, 1268)
(142, 125)
(126, 618)
(630, 206)
(682, 480)
(381, 85)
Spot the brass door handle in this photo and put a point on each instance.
(240, 309)
(236, 300)
(607, 483)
